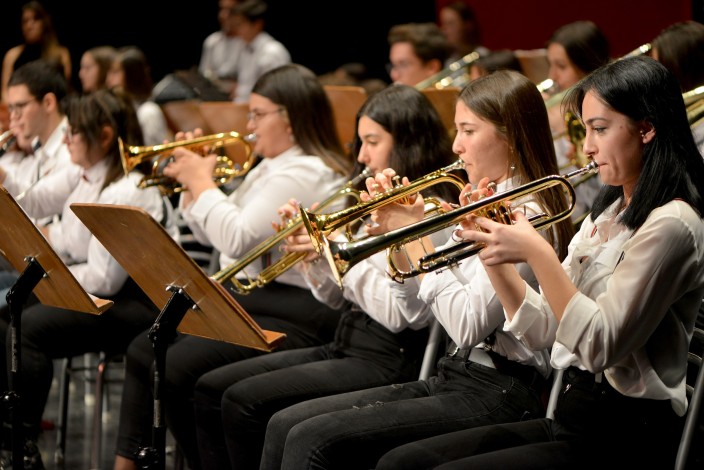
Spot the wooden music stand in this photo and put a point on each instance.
(189, 300)
(43, 273)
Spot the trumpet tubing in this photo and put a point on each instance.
(343, 255)
(7, 139)
(454, 74)
(321, 225)
(225, 169)
(288, 260)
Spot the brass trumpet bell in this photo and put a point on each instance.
(159, 156)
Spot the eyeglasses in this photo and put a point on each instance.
(257, 115)
(19, 107)
(400, 66)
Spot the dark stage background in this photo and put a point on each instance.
(325, 34)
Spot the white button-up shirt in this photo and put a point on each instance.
(237, 223)
(639, 293)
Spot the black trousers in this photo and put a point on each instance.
(275, 307)
(594, 427)
(49, 333)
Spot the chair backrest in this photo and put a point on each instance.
(534, 63)
(225, 116)
(345, 101)
(444, 100)
(694, 425)
(184, 116)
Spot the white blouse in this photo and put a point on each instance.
(464, 302)
(638, 295)
(237, 223)
(92, 265)
(368, 285)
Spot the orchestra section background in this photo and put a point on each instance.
(323, 34)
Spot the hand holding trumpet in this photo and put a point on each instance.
(395, 215)
(192, 170)
(299, 241)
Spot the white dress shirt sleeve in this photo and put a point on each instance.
(236, 224)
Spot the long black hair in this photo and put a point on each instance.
(422, 144)
(646, 91)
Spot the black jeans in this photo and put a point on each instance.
(594, 427)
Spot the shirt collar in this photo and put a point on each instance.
(56, 139)
(96, 173)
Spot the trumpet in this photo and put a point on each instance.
(321, 225)
(454, 74)
(7, 139)
(694, 102)
(343, 255)
(287, 261)
(159, 155)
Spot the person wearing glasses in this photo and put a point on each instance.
(35, 92)
(302, 158)
(94, 123)
(417, 51)
(377, 341)
(34, 95)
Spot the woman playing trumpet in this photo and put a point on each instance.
(376, 341)
(502, 133)
(619, 312)
(302, 157)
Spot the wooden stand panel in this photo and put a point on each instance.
(20, 238)
(155, 261)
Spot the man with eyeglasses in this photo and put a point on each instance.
(34, 95)
(35, 91)
(417, 51)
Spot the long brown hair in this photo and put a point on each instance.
(511, 102)
(90, 113)
(297, 89)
